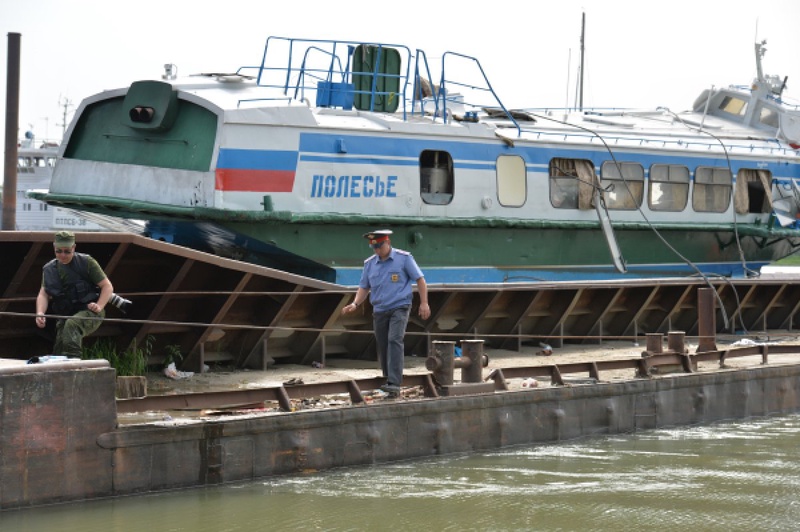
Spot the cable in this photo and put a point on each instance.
(748, 272)
(644, 216)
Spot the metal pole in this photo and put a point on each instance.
(12, 126)
(583, 39)
(706, 320)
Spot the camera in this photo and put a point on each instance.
(120, 302)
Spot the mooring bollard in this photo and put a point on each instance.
(676, 345)
(655, 344)
(442, 362)
(472, 361)
(675, 342)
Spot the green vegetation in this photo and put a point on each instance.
(791, 260)
(173, 355)
(130, 363)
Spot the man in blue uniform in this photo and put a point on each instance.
(387, 279)
(73, 284)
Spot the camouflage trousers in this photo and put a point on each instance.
(71, 332)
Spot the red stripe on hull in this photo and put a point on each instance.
(228, 179)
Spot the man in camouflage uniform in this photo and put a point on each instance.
(73, 284)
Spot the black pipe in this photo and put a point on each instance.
(12, 126)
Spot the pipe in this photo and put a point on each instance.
(9, 222)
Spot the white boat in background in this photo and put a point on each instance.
(287, 163)
(35, 164)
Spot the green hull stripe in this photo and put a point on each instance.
(134, 209)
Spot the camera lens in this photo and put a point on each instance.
(120, 302)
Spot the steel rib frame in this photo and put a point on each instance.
(297, 320)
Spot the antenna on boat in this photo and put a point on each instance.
(580, 79)
(569, 66)
(760, 51)
(65, 104)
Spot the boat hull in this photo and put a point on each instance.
(493, 253)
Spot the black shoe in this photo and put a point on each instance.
(391, 389)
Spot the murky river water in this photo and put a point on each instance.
(727, 477)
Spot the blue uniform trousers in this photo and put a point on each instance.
(390, 328)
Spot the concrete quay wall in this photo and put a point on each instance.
(60, 440)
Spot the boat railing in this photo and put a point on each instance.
(656, 142)
(788, 103)
(454, 75)
(331, 73)
(372, 77)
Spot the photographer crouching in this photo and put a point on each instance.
(74, 284)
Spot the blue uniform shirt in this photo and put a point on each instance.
(389, 281)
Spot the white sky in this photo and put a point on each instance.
(638, 53)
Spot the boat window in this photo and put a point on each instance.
(669, 187)
(623, 183)
(512, 186)
(753, 191)
(712, 189)
(572, 183)
(436, 177)
(768, 116)
(733, 105)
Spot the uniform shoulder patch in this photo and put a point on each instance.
(402, 252)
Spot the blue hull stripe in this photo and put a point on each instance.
(236, 159)
(351, 276)
(400, 151)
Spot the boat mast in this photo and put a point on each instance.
(65, 104)
(580, 83)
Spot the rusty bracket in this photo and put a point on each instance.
(643, 368)
(555, 376)
(283, 399)
(499, 379)
(355, 392)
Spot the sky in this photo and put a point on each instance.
(637, 53)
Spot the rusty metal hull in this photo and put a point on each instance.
(216, 309)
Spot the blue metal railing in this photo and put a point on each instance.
(296, 67)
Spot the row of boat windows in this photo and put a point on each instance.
(572, 183)
(28, 164)
(42, 207)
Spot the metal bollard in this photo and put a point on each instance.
(655, 344)
(442, 361)
(675, 342)
(472, 361)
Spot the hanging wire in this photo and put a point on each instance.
(692, 265)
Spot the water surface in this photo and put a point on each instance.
(725, 477)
